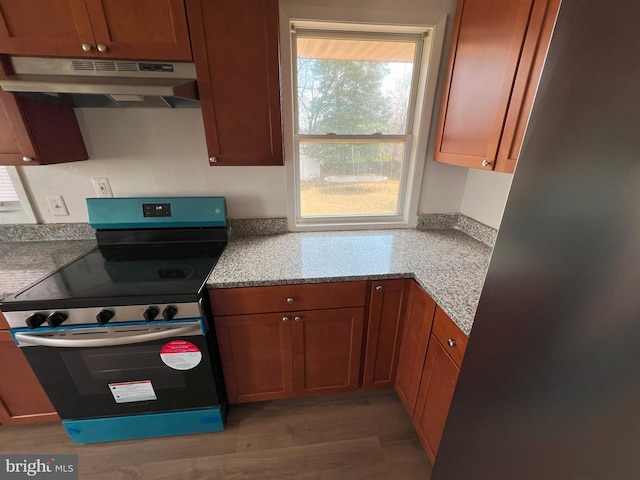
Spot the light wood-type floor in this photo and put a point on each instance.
(363, 435)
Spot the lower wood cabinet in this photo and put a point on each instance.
(447, 344)
(268, 352)
(387, 307)
(418, 321)
(286, 354)
(22, 399)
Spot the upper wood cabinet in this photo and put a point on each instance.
(235, 49)
(37, 133)
(497, 53)
(384, 332)
(123, 29)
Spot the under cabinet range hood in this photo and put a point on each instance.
(104, 83)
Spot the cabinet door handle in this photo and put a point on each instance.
(285, 319)
(297, 319)
(86, 47)
(379, 287)
(27, 159)
(102, 48)
(451, 342)
(290, 300)
(486, 163)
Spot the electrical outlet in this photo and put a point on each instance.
(102, 187)
(57, 206)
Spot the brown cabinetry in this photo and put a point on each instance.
(268, 351)
(384, 332)
(37, 133)
(144, 29)
(496, 58)
(419, 318)
(235, 49)
(439, 377)
(22, 399)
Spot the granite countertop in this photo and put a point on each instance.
(25, 262)
(448, 264)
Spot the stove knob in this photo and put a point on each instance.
(169, 312)
(55, 319)
(104, 316)
(35, 320)
(150, 314)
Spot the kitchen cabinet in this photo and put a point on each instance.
(294, 340)
(384, 332)
(22, 399)
(497, 53)
(144, 29)
(418, 321)
(439, 376)
(37, 133)
(236, 52)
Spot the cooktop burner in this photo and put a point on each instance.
(122, 275)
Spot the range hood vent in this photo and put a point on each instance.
(104, 83)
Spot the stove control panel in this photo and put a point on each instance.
(103, 315)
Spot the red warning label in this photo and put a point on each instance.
(180, 355)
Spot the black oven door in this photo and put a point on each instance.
(170, 373)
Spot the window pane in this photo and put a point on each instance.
(350, 178)
(8, 194)
(353, 87)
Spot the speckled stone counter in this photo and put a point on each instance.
(448, 264)
(22, 263)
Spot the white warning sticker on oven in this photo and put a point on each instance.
(132, 391)
(180, 355)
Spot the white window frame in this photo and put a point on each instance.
(432, 26)
(21, 212)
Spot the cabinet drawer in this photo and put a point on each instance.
(286, 298)
(450, 336)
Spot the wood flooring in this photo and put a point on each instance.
(362, 435)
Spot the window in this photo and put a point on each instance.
(359, 94)
(14, 205)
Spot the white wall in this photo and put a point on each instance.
(152, 152)
(485, 196)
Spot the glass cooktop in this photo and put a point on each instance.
(123, 275)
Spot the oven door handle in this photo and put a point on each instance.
(27, 339)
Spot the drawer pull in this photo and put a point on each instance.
(290, 300)
(451, 342)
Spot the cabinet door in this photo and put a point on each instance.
(255, 351)
(384, 332)
(144, 29)
(487, 42)
(326, 350)
(235, 49)
(44, 133)
(419, 318)
(45, 27)
(529, 70)
(436, 392)
(22, 399)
